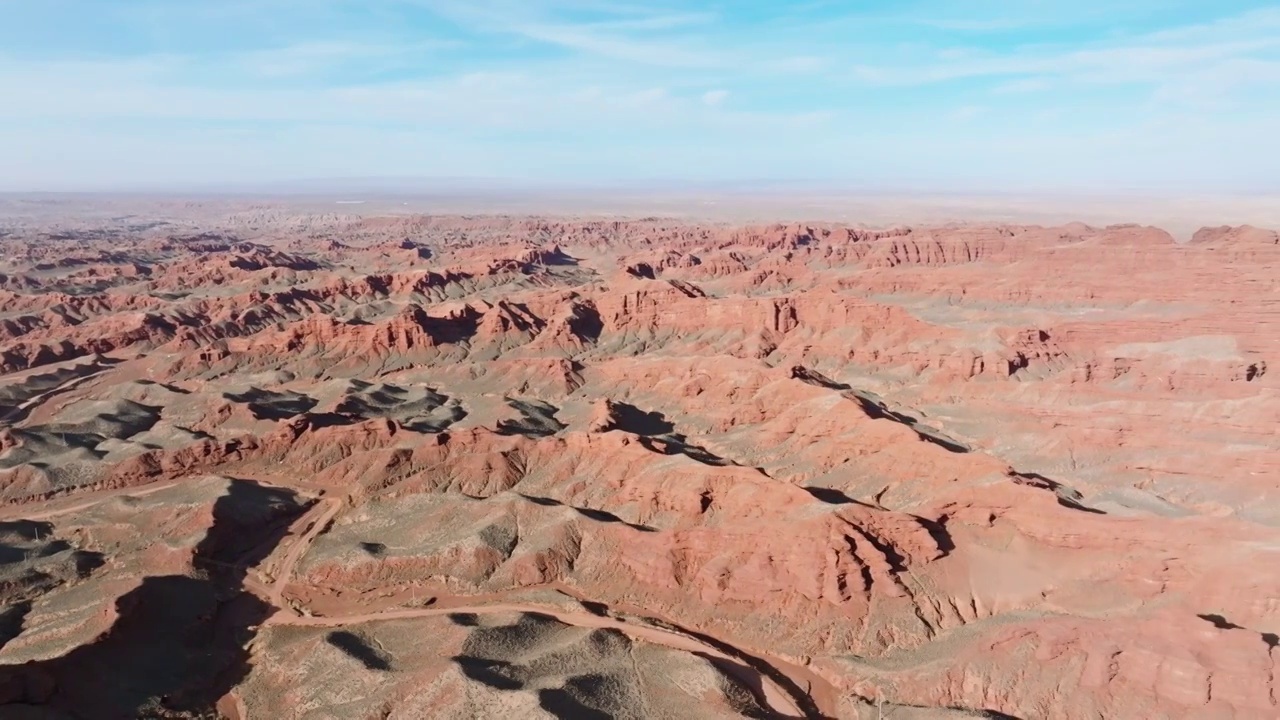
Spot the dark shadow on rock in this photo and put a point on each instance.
(267, 405)
(356, 647)
(536, 617)
(688, 289)
(595, 608)
(1072, 504)
(875, 408)
(33, 562)
(165, 386)
(564, 704)
(420, 414)
(1220, 622)
(599, 515)
(492, 673)
(422, 252)
(1271, 639)
(937, 529)
(25, 529)
(813, 377)
(509, 658)
(179, 642)
(431, 427)
(465, 619)
(1067, 497)
(676, 444)
(608, 517)
(11, 619)
(749, 679)
(375, 549)
(585, 322)
(897, 563)
(198, 435)
(629, 418)
(642, 270)
(19, 538)
(543, 501)
(558, 258)
(86, 561)
(603, 516)
(537, 419)
(832, 496)
(808, 707)
(317, 421)
(452, 330)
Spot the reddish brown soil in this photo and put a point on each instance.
(323, 466)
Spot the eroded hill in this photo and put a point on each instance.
(407, 467)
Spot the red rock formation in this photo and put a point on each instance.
(1013, 469)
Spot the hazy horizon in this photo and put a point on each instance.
(409, 185)
(927, 96)
(1180, 215)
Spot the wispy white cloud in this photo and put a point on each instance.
(645, 35)
(795, 64)
(1024, 85)
(617, 47)
(1159, 58)
(715, 97)
(620, 32)
(964, 113)
(1132, 62)
(531, 99)
(325, 56)
(699, 85)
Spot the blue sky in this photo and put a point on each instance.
(931, 94)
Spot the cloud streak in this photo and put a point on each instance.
(613, 89)
(1157, 57)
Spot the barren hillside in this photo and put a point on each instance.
(267, 465)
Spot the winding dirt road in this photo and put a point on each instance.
(781, 688)
(318, 518)
(784, 689)
(774, 696)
